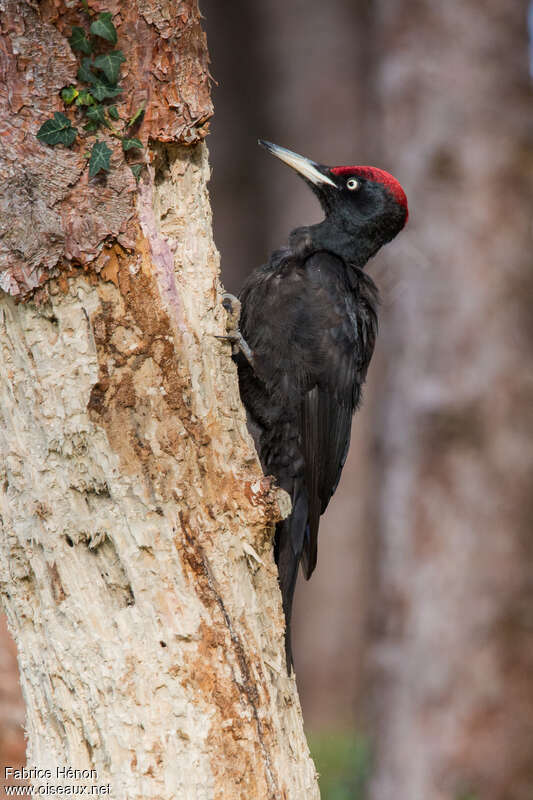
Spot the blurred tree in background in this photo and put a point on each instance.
(416, 631)
(12, 744)
(453, 420)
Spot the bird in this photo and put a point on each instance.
(304, 339)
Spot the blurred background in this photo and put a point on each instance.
(414, 638)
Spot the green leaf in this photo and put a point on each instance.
(137, 114)
(69, 94)
(70, 136)
(113, 113)
(104, 28)
(78, 40)
(57, 131)
(97, 114)
(85, 98)
(102, 90)
(90, 127)
(110, 63)
(130, 144)
(100, 155)
(85, 75)
(136, 169)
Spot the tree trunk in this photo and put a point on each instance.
(136, 539)
(453, 655)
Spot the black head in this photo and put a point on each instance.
(364, 207)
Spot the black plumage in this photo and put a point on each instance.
(309, 317)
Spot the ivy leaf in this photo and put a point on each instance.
(110, 63)
(85, 75)
(79, 41)
(97, 114)
(130, 144)
(104, 28)
(90, 127)
(84, 98)
(100, 155)
(69, 94)
(101, 90)
(136, 169)
(113, 113)
(137, 114)
(70, 136)
(57, 130)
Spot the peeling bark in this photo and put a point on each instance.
(136, 526)
(49, 210)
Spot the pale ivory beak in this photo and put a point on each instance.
(304, 166)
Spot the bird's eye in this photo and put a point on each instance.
(352, 184)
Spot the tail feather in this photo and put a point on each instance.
(289, 544)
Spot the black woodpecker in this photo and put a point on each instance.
(308, 324)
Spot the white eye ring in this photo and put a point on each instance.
(352, 184)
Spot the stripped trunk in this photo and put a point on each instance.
(136, 526)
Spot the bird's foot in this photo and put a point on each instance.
(232, 305)
(238, 343)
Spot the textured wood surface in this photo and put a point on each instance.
(136, 525)
(51, 213)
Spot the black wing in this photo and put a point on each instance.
(349, 327)
(311, 324)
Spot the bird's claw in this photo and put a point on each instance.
(238, 345)
(232, 306)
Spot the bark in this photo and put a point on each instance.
(453, 650)
(136, 540)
